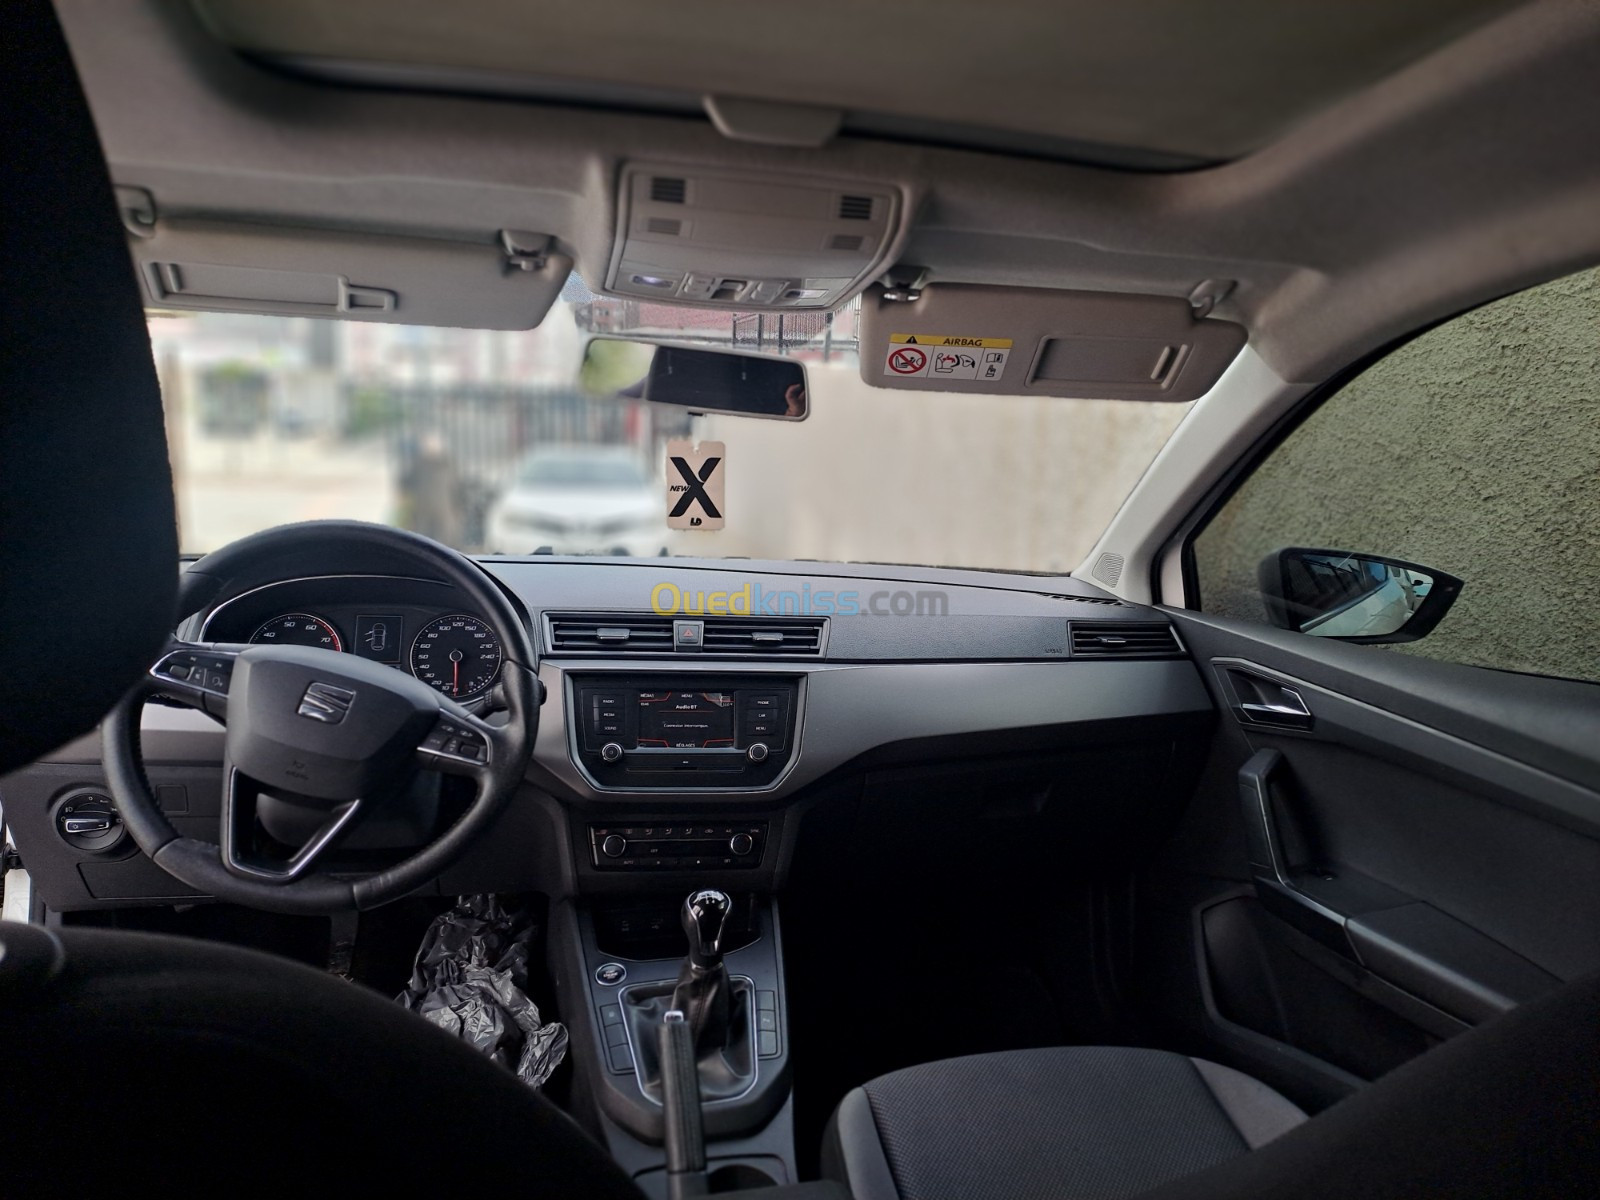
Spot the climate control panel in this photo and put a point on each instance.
(681, 846)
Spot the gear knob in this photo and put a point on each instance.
(705, 913)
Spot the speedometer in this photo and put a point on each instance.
(298, 629)
(459, 655)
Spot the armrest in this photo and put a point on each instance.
(1445, 962)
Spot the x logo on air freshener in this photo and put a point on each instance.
(696, 473)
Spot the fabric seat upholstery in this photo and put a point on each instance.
(1083, 1122)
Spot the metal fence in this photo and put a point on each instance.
(485, 430)
(786, 332)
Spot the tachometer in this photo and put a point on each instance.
(459, 655)
(298, 629)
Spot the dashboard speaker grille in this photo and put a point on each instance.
(1123, 639)
(1109, 600)
(1108, 568)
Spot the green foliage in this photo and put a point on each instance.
(370, 410)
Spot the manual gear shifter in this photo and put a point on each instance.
(702, 991)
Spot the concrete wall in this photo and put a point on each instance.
(1475, 449)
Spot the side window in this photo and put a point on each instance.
(1445, 503)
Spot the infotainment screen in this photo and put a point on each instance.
(686, 720)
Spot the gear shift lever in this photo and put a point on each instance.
(704, 914)
(702, 991)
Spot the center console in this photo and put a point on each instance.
(625, 964)
(698, 732)
(675, 762)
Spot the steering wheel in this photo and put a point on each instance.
(339, 734)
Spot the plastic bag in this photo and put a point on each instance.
(469, 979)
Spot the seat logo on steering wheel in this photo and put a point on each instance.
(326, 703)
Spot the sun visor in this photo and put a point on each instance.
(1037, 341)
(508, 281)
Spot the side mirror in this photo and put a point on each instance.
(748, 385)
(1354, 597)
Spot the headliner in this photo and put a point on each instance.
(1156, 83)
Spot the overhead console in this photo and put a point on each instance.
(747, 240)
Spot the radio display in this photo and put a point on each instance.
(686, 720)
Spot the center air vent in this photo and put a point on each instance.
(645, 633)
(611, 633)
(665, 190)
(1123, 639)
(759, 635)
(855, 208)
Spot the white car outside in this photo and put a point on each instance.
(580, 500)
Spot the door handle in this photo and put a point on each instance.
(1262, 701)
(1291, 711)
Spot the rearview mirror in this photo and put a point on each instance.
(1354, 597)
(748, 385)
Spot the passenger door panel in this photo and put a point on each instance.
(1425, 837)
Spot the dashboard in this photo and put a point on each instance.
(413, 625)
(673, 744)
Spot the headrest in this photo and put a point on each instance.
(88, 545)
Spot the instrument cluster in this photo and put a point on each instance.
(409, 624)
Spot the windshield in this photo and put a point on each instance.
(574, 468)
(485, 441)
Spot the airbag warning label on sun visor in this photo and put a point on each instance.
(926, 356)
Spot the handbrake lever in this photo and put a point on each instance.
(685, 1133)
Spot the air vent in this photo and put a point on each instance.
(665, 225)
(846, 241)
(855, 208)
(1119, 639)
(763, 636)
(646, 633)
(610, 633)
(665, 190)
(1088, 599)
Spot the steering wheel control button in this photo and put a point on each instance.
(455, 742)
(610, 974)
(210, 673)
(611, 752)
